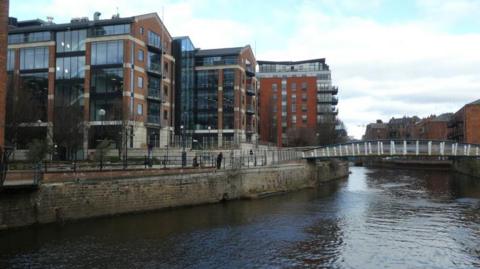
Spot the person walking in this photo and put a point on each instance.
(219, 160)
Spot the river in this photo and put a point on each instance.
(373, 219)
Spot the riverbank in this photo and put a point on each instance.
(87, 198)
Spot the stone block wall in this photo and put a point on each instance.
(58, 202)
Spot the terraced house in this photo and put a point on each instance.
(79, 83)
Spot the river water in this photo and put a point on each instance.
(373, 219)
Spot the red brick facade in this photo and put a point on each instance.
(3, 64)
(304, 103)
(465, 125)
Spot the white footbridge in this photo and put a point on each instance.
(395, 148)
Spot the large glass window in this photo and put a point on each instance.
(154, 87)
(228, 98)
(119, 29)
(108, 52)
(10, 60)
(71, 41)
(107, 81)
(154, 40)
(206, 99)
(29, 37)
(32, 96)
(70, 67)
(154, 62)
(217, 60)
(34, 58)
(106, 93)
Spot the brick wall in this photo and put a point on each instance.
(3, 65)
(472, 124)
(69, 201)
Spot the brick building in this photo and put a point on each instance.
(434, 127)
(295, 96)
(403, 128)
(376, 131)
(82, 82)
(217, 94)
(465, 124)
(3, 65)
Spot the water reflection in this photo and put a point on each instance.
(376, 219)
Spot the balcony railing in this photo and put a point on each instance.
(154, 119)
(250, 110)
(250, 72)
(250, 91)
(154, 94)
(333, 90)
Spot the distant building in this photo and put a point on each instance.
(376, 131)
(403, 128)
(434, 127)
(296, 96)
(465, 124)
(85, 81)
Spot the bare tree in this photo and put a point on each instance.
(301, 137)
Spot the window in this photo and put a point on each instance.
(154, 62)
(304, 86)
(294, 118)
(304, 118)
(304, 107)
(141, 30)
(154, 40)
(274, 88)
(294, 86)
(10, 60)
(154, 88)
(107, 81)
(139, 109)
(70, 67)
(165, 91)
(71, 41)
(140, 55)
(34, 58)
(294, 108)
(140, 82)
(165, 115)
(29, 37)
(109, 52)
(110, 30)
(304, 97)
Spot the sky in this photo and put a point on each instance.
(390, 58)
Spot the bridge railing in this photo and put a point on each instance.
(395, 148)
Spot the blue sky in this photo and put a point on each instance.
(388, 57)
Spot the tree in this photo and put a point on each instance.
(38, 150)
(301, 137)
(68, 129)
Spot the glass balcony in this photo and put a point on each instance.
(154, 119)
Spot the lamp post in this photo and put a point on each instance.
(209, 145)
(101, 113)
(184, 154)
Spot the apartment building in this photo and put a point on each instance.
(79, 83)
(464, 126)
(296, 96)
(217, 94)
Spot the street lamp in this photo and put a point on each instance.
(209, 142)
(184, 154)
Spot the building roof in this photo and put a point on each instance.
(443, 117)
(64, 26)
(321, 60)
(219, 52)
(475, 102)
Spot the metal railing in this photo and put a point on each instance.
(385, 148)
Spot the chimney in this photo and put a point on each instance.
(96, 16)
